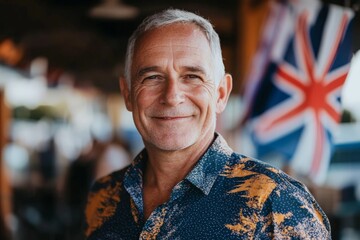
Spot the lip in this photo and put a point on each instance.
(169, 118)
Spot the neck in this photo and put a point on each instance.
(165, 169)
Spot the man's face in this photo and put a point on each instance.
(173, 97)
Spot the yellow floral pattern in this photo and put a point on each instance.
(102, 205)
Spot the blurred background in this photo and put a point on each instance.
(63, 122)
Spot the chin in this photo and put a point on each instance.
(176, 147)
(173, 143)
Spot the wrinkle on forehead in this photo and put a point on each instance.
(191, 29)
(180, 31)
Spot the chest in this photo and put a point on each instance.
(193, 217)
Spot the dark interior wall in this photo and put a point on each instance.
(93, 49)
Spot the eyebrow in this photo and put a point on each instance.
(197, 69)
(143, 71)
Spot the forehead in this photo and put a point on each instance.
(180, 29)
(172, 37)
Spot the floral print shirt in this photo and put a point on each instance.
(225, 196)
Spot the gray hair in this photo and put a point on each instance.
(171, 16)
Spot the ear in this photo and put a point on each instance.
(125, 91)
(223, 93)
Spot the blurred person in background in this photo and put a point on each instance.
(188, 183)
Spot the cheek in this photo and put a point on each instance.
(142, 97)
(138, 94)
(205, 99)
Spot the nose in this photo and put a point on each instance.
(172, 93)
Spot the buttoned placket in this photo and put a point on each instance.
(133, 184)
(157, 218)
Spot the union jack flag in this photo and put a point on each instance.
(294, 106)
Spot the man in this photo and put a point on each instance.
(187, 183)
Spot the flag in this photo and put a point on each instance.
(293, 96)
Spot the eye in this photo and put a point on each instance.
(152, 78)
(192, 77)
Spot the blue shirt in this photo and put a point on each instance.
(225, 196)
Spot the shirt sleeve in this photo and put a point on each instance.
(291, 212)
(102, 202)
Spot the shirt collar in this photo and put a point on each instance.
(203, 174)
(210, 165)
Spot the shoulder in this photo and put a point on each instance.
(263, 184)
(108, 181)
(245, 168)
(276, 199)
(103, 199)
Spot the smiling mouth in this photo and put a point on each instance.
(172, 118)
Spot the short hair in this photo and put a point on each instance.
(171, 16)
